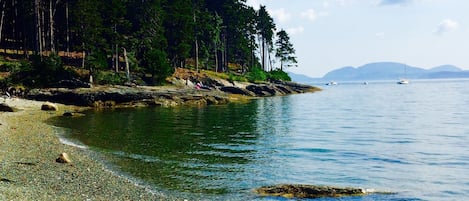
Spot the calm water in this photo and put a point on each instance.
(409, 139)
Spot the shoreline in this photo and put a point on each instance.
(28, 149)
(29, 146)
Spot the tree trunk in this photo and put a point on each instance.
(83, 59)
(117, 58)
(38, 27)
(196, 43)
(51, 27)
(215, 51)
(263, 54)
(16, 34)
(43, 29)
(127, 70)
(68, 30)
(1, 20)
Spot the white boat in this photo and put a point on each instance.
(331, 83)
(403, 81)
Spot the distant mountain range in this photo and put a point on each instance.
(386, 71)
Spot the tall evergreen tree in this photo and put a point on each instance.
(179, 30)
(285, 51)
(265, 26)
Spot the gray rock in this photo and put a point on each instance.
(308, 191)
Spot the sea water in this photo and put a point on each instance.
(411, 140)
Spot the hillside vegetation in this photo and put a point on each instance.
(138, 42)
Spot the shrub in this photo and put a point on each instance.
(257, 74)
(109, 77)
(157, 65)
(278, 75)
(41, 72)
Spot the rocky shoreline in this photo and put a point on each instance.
(29, 147)
(182, 92)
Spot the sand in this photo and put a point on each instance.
(28, 150)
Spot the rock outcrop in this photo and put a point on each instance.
(121, 96)
(188, 88)
(308, 191)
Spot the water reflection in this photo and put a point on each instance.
(198, 150)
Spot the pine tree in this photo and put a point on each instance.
(285, 51)
(265, 26)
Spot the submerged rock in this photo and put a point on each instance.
(6, 108)
(308, 191)
(72, 114)
(47, 106)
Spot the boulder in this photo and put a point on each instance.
(6, 108)
(308, 191)
(47, 106)
(63, 158)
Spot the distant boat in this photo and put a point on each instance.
(365, 83)
(403, 81)
(331, 83)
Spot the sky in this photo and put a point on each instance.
(330, 34)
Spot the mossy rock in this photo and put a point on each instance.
(308, 191)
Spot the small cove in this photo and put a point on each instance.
(405, 139)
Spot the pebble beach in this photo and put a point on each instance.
(29, 171)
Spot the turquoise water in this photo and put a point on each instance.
(408, 139)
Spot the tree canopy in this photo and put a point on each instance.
(156, 35)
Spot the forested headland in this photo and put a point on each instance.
(143, 41)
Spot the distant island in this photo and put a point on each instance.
(385, 71)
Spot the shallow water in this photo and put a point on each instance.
(408, 139)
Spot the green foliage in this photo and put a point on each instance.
(285, 51)
(7, 66)
(278, 75)
(257, 74)
(110, 77)
(41, 72)
(97, 60)
(158, 35)
(233, 77)
(157, 65)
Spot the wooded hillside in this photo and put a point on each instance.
(151, 36)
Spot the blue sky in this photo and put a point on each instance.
(330, 34)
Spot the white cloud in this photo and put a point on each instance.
(310, 14)
(445, 26)
(379, 34)
(295, 30)
(280, 15)
(255, 3)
